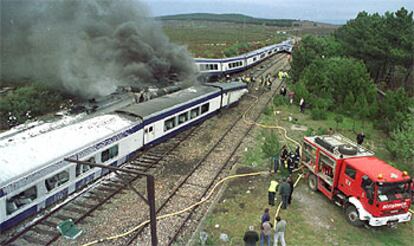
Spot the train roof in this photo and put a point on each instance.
(32, 149)
(158, 105)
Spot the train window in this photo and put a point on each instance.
(84, 168)
(215, 66)
(169, 124)
(194, 113)
(254, 58)
(21, 199)
(262, 55)
(109, 153)
(57, 180)
(182, 118)
(205, 108)
(350, 172)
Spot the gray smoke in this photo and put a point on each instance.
(87, 47)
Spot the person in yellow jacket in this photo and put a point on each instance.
(272, 192)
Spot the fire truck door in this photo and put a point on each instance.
(347, 180)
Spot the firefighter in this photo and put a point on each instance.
(297, 157)
(275, 160)
(291, 162)
(284, 192)
(272, 192)
(360, 138)
(283, 156)
(291, 183)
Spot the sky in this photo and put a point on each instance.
(330, 11)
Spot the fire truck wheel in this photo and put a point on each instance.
(352, 216)
(347, 150)
(313, 182)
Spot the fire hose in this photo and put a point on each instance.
(206, 198)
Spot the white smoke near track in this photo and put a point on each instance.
(87, 47)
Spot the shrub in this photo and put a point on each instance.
(34, 98)
(270, 146)
(280, 100)
(401, 142)
(318, 114)
(268, 111)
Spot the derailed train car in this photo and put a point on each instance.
(34, 174)
(222, 66)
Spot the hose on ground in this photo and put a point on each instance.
(206, 198)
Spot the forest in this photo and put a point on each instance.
(348, 71)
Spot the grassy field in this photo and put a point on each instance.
(312, 219)
(211, 39)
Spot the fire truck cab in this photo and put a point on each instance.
(370, 190)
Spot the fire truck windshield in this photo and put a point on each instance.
(393, 191)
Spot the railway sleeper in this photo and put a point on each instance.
(107, 189)
(115, 183)
(74, 209)
(146, 159)
(34, 240)
(49, 223)
(145, 164)
(62, 217)
(83, 204)
(137, 167)
(44, 232)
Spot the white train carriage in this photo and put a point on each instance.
(217, 67)
(34, 174)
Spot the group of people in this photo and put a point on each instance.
(289, 160)
(251, 237)
(285, 190)
(291, 95)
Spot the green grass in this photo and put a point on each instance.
(210, 39)
(312, 219)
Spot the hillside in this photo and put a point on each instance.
(235, 18)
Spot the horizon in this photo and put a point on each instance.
(324, 11)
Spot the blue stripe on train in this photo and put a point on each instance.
(18, 218)
(84, 181)
(179, 109)
(56, 197)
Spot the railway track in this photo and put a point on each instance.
(201, 178)
(43, 230)
(81, 205)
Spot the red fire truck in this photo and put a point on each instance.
(370, 190)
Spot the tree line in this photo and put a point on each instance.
(342, 72)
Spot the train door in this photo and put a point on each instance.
(149, 134)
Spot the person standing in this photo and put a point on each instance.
(284, 155)
(266, 233)
(291, 183)
(302, 105)
(280, 230)
(251, 237)
(283, 91)
(291, 162)
(360, 138)
(265, 216)
(272, 192)
(284, 191)
(275, 160)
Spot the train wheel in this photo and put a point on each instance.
(313, 182)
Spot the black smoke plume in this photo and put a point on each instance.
(87, 47)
